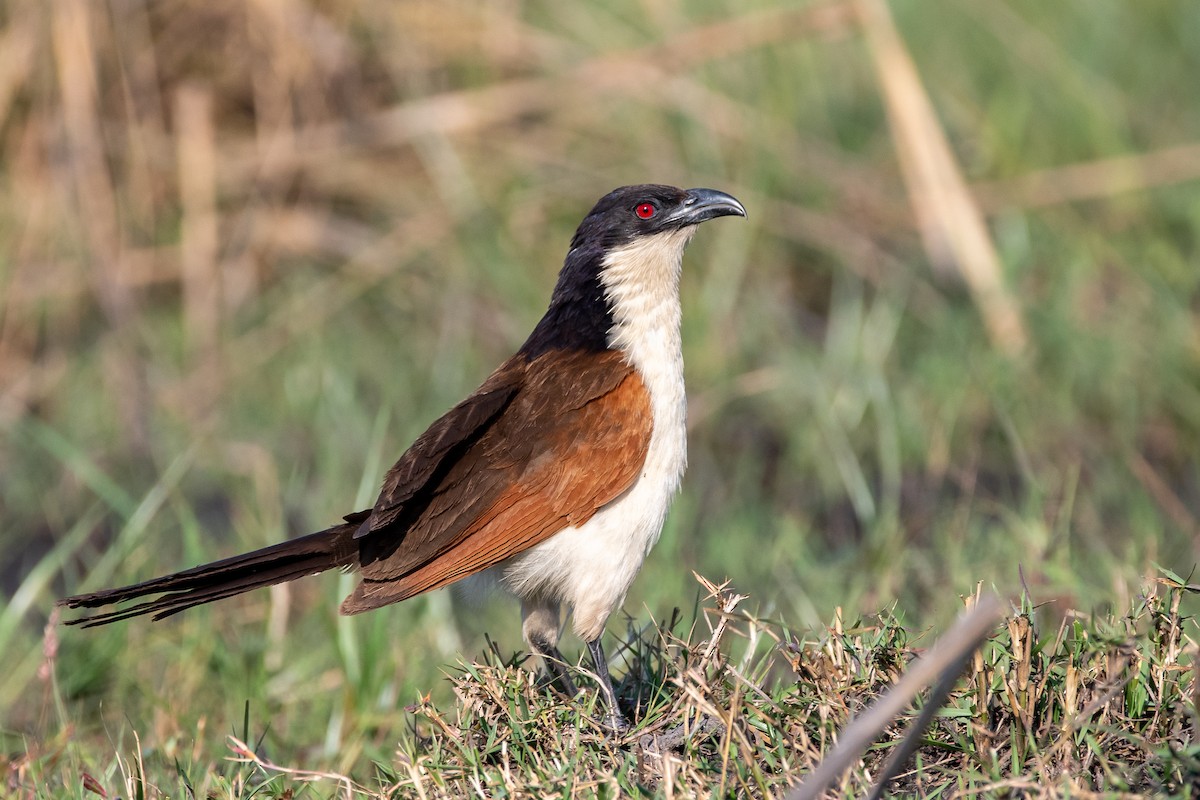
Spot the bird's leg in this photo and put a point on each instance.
(615, 719)
(555, 664)
(539, 625)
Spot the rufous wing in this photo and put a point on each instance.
(439, 448)
(571, 439)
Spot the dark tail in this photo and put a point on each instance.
(279, 563)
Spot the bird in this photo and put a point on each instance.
(551, 481)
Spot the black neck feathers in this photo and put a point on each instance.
(579, 316)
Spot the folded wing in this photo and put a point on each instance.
(573, 437)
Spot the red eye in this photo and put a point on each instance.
(646, 210)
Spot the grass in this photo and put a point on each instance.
(249, 253)
(729, 703)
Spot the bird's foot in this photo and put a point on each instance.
(674, 739)
(557, 669)
(614, 720)
(615, 723)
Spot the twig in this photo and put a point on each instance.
(243, 754)
(943, 662)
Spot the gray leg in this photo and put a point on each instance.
(539, 624)
(615, 719)
(556, 666)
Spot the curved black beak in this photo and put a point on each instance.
(705, 204)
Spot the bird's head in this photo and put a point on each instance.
(625, 255)
(634, 213)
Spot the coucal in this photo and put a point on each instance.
(551, 480)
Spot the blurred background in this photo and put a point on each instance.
(249, 250)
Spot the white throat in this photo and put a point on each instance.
(641, 282)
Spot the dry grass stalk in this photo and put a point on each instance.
(201, 278)
(952, 227)
(627, 73)
(243, 754)
(75, 54)
(1091, 180)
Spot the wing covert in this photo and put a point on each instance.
(572, 439)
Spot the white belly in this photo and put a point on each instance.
(592, 566)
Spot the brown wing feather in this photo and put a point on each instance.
(436, 449)
(571, 440)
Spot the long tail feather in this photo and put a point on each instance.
(328, 549)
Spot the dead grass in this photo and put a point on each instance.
(1082, 707)
(1053, 706)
